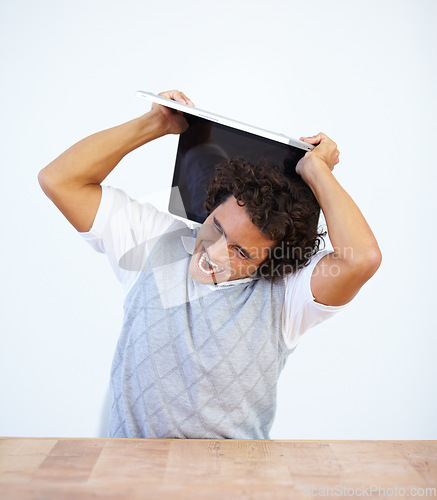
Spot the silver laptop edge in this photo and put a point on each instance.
(223, 120)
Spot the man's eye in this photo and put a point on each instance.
(241, 254)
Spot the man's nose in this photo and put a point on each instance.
(218, 251)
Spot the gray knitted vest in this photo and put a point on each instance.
(196, 363)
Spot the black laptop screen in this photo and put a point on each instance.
(204, 145)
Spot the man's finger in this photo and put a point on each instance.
(187, 100)
(310, 140)
(315, 139)
(175, 95)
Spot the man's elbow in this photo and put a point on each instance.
(366, 265)
(43, 181)
(48, 181)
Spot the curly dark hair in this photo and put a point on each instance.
(283, 208)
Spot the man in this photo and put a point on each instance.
(212, 314)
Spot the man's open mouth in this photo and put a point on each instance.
(207, 266)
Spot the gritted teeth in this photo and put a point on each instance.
(209, 260)
(204, 263)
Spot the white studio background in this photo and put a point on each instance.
(362, 72)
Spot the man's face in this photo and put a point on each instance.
(228, 246)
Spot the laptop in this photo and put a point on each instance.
(212, 139)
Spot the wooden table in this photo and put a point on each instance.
(40, 468)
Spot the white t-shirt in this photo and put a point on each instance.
(126, 229)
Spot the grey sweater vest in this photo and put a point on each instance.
(196, 363)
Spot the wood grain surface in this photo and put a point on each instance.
(46, 468)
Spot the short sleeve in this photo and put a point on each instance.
(301, 311)
(125, 230)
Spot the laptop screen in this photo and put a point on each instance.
(204, 145)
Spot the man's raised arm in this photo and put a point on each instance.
(72, 181)
(337, 277)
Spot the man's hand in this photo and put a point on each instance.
(173, 121)
(325, 154)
